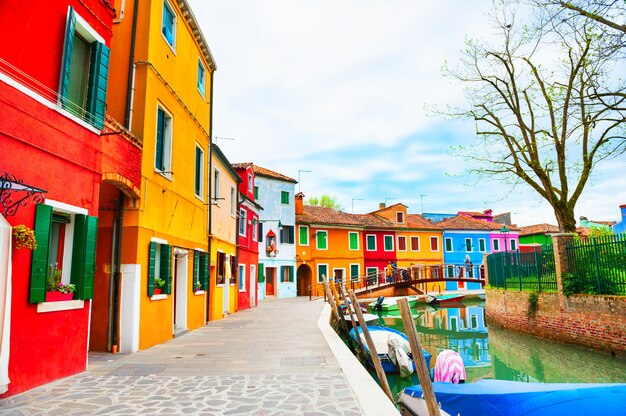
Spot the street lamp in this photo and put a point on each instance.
(505, 232)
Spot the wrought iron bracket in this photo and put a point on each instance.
(14, 193)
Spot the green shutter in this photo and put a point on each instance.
(78, 258)
(204, 271)
(39, 265)
(354, 241)
(89, 248)
(166, 267)
(354, 271)
(151, 267)
(261, 273)
(303, 236)
(98, 79)
(196, 269)
(68, 50)
(198, 175)
(291, 273)
(160, 139)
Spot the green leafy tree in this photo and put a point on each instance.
(326, 201)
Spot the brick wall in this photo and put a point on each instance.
(593, 321)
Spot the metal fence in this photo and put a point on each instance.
(596, 266)
(523, 271)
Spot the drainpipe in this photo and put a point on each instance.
(210, 196)
(130, 82)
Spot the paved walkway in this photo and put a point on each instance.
(269, 360)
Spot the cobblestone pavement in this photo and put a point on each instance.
(269, 360)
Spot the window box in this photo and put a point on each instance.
(58, 296)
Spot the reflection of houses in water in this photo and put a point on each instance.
(460, 329)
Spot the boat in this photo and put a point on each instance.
(390, 304)
(381, 336)
(445, 298)
(513, 398)
(367, 317)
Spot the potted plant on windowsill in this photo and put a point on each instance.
(197, 287)
(159, 284)
(56, 290)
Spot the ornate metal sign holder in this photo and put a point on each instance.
(14, 193)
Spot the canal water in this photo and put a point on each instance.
(499, 354)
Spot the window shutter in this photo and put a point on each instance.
(90, 257)
(68, 50)
(78, 259)
(151, 267)
(98, 78)
(261, 273)
(166, 267)
(39, 265)
(291, 273)
(160, 140)
(204, 272)
(196, 269)
(260, 232)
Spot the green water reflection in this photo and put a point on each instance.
(501, 354)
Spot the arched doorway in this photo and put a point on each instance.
(304, 279)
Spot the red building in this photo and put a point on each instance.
(378, 245)
(53, 84)
(247, 238)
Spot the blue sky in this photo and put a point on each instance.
(340, 88)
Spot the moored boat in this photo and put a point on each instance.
(382, 337)
(513, 398)
(445, 298)
(391, 304)
(367, 317)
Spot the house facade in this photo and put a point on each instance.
(532, 237)
(379, 247)
(223, 232)
(247, 239)
(277, 249)
(53, 116)
(162, 68)
(620, 227)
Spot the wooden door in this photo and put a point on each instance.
(270, 275)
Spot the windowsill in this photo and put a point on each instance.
(64, 305)
(159, 297)
(198, 292)
(167, 42)
(165, 175)
(199, 197)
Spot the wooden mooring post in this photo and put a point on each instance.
(331, 299)
(418, 357)
(372, 347)
(352, 319)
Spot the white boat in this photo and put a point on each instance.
(368, 317)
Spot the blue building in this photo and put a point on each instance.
(620, 227)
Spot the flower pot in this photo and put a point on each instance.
(58, 296)
(157, 291)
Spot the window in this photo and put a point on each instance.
(303, 235)
(163, 159)
(284, 197)
(221, 267)
(199, 177)
(415, 243)
(216, 186)
(256, 193)
(450, 271)
(85, 71)
(286, 234)
(200, 271)
(372, 273)
(168, 24)
(371, 242)
(159, 266)
(434, 244)
(481, 245)
(242, 277)
(233, 269)
(338, 275)
(322, 271)
(468, 245)
(233, 200)
(353, 240)
(388, 239)
(286, 274)
(242, 222)
(401, 243)
(400, 217)
(255, 230)
(201, 78)
(66, 244)
(474, 321)
(322, 240)
(261, 273)
(453, 323)
(513, 245)
(448, 242)
(250, 182)
(355, 271)
(496, 245)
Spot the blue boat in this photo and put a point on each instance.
(513, 398)
(380, 335)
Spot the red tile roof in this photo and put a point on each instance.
(259, 171)
(464, 222)
(328, 216)
(417, 221)
(538, 229)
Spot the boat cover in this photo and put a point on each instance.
(512, 398)
(449, 367)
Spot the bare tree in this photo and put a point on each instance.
(547, 106)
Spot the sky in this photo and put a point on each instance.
(333, 93)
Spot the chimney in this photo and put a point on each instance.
(299, 203)
(622, 209)
(381, 205)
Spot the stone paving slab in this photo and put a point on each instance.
(269, 360)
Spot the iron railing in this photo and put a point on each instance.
(514, 270)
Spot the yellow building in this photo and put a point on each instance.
(161, 75)
(223, 235)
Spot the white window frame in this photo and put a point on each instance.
(167, 4)
(168, 137)
(255, 229)
(358, 271)
(368, 270)
(398, 243)
(512, 244)
(430, 244)
(445, 244)
(203, 83)
(484, 244)
(367, 248)
(419, 244)
(242, 278)
(216, 176)
(243, 222)
(201, 167)
(319, 275)
(306, 227)
(317, 233)
(357, 240)
(343, 273)
(495, 242)
(402, 217)
(385, 237)
(471, 250)
(250, 183)
(233, 201)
